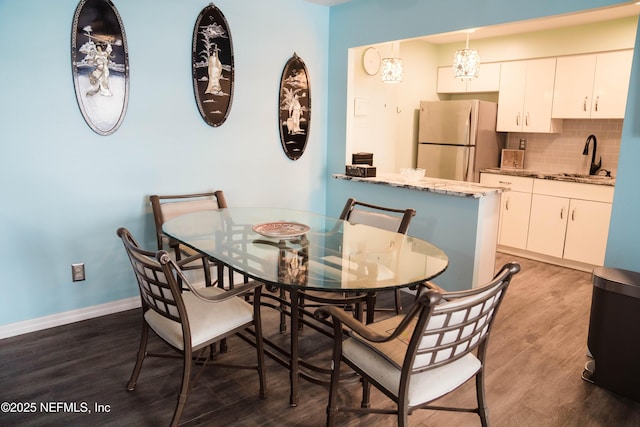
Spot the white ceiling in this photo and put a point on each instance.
(603, 14)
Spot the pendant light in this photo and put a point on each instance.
(391, 70)
(466, 62)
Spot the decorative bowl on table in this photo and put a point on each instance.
(412, 174)
(281, 229)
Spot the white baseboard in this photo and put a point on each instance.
(40, 323)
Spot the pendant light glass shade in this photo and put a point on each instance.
(391, 70)
(466, 63)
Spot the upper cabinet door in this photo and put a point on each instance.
(611, 85)
(526, 96)
(592, 86)
(488, 79)
(539, 96)
(574, 86)
(511, 98)
(447, 83)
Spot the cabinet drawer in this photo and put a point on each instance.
(514, 183)
(574, 190)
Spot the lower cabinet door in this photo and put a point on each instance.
(548, 224)
(587, 231)
(515, 219)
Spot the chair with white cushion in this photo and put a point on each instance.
(189, 322)
(166, 207)
(391, 219)
(414, 359)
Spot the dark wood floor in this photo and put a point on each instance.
(536, 356)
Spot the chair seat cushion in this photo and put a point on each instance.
(383, 363)
(208, 320)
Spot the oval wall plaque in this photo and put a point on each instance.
(212, 65)
(295, 107)
(100, 65)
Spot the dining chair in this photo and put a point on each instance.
(189, 322)
(416, 358)
(166, 207)
(392, 219)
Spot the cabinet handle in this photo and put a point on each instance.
(597, 100)
(505, 182)
(506, 205)
(573, 215)
(526, 120)
(518, 119)
(562, 213)
(584, 104)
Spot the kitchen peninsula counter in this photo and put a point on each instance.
(461, 218)
(432, 185)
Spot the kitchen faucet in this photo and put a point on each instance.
(593, 169)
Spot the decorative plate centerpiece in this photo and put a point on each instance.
(281, 229)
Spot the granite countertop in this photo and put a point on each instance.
(432, 185)
(568, 177)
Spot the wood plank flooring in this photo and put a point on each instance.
(536, 356)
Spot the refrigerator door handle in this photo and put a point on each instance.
(468, 164)
(467, 159)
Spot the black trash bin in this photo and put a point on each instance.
(614, 332)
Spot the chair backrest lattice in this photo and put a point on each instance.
(458, 325)
(158, 287)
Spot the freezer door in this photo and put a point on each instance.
(447, 161)
(447, 122)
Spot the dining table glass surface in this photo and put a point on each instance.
(306, 250)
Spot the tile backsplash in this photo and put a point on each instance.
(556, 153)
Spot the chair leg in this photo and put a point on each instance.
(336, 358)
(366, 394)
(398, 301)
(184, 388)
(142, 350)
(403, 415)
(257, 326)
(261, 366)
(332, 409)
(483, 411)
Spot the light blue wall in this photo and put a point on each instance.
(65, 189)
(623, 246)
(362, 22)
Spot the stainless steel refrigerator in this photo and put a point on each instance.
(457, 139)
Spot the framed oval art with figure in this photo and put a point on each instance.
(212, 65)
(295, 107)
(100, 65)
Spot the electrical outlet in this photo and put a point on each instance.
(77, 272)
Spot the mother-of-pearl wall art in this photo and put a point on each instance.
(212, 66)
(100, 65)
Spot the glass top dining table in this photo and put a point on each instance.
(293, 248)
(299, 251)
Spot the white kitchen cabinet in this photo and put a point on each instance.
(587, 231)
(526, 96)
(514, 208)
(548, 225)
(592, 86)
(488, 80)
(570, 220)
